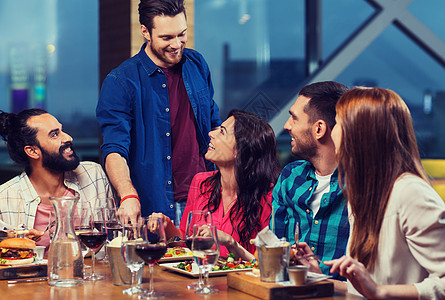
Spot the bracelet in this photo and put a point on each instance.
(130, 196)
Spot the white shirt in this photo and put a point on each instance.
(412, 239)
(321, 189)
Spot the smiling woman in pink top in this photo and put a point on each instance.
(239, 193)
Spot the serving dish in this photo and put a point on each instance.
(195, 270)
(36, 269)
(182, 257)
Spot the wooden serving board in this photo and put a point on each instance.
(269, 290)
(24, 271)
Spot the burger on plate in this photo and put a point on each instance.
(17, 251)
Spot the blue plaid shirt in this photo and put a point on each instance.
(327, 232)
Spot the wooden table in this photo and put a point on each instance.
(172, 285)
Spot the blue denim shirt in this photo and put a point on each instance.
(133, 114)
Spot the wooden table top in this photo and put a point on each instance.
(172, 285)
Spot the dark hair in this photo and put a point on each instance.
(371, 158)
(324, 95)
(256, 171)
(148, 9)
(17, 134)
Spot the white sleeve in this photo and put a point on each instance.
(422, 219)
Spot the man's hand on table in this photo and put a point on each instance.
(129, 211)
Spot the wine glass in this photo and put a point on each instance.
(152, 249)
(200, 217)
(93, 239)
(131, 236)
(81, 222)
(114, 227)
(106, 207)
(205, 248)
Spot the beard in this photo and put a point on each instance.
(306, 147)
(160, 54)
(57, 162)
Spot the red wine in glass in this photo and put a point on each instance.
(150, 253)
(93, 240)
(204, 243)
(98, 225)
(188, 242)
(112, 226)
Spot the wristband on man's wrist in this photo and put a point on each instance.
(130, 196)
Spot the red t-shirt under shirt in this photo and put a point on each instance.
(186, 157)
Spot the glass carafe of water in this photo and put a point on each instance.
(65, 260)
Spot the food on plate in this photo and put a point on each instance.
(17, 251)
(177, 252)
(186, 265)
(223, 264)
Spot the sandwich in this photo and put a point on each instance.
(17, 251)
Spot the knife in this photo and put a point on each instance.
(27, 280)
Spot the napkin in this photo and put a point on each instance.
(267, 238)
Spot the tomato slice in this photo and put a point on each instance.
(168, 255)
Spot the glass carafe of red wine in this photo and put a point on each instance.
(65, 260)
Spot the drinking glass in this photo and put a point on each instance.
(106, 207)
(131, 237)
(112, 222)
(152, 249)
(93, 239)
(81, 222)
(205, 248)
(196, 217)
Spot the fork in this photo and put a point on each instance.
(297, 234)
(49, 226)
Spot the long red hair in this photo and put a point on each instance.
(378, 145)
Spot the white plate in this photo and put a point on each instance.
(195, 270)
(34, 263)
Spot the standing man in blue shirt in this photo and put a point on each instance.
(307, 190)
(155, 111)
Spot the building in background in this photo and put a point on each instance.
(54, 55)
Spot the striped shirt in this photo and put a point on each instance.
(327, 232)
(19, 199)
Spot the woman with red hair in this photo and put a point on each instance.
(397, 242)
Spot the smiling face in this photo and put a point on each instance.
(167, 40)
(55, 145)
(222, 146)
(300, 129)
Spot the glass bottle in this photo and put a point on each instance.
(65, 260)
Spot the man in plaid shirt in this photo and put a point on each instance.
(35, 139)
(307, 191)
